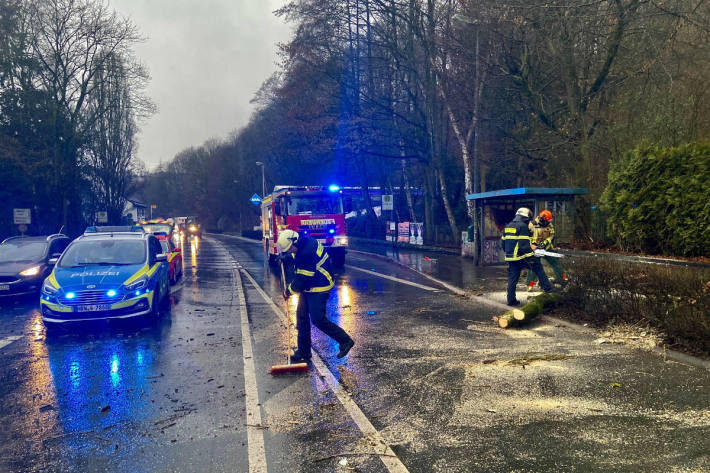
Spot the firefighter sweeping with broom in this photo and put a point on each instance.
(313, 281)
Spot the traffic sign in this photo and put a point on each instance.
(387, 202)
(101, 217)
(255, 199)
(22, 228)
(22, 216)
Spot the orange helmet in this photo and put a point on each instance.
(547, 215)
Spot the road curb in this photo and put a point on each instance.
(665, 353)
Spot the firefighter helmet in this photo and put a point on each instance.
(547, 215)
(525, 212)
(286, 239)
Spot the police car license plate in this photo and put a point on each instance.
(92, 308)
(4, 287)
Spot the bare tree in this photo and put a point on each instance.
(70, 41)
(111, 140)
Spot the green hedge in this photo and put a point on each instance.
(658, 200)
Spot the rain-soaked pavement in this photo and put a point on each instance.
(432, 385)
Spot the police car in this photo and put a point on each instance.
(106, 274)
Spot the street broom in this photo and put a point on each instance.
(288, 367)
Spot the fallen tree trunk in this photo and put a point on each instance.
(527, 312)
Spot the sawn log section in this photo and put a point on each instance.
(529, 311)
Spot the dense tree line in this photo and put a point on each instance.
(450, 97)
(70, 99)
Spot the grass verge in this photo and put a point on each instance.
(673, 301)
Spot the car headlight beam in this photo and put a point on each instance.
(33, 271)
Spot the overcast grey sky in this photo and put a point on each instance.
(207, 58)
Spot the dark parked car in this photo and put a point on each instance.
(25, 262)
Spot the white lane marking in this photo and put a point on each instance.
(461, 292)
(388, 457)
(392, 278)
(450, 287)
(8, 340)
(255, 432)
(248, 240)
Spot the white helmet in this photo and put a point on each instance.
(286, 239)
(525, 212)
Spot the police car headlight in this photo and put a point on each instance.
(49, 288)
(33, 271)
(139, 283)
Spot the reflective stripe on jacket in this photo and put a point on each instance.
(516, 240)
(313, 273)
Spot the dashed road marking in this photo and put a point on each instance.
(392, 278)
(8, 340)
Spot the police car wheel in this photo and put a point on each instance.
(155, 309)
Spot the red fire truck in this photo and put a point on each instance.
(315, 211)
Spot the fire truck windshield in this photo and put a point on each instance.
(315, 204)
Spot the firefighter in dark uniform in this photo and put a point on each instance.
(520, 255)
(313, 281)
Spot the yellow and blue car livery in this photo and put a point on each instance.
(82, 292)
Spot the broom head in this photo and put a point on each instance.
(292, 368)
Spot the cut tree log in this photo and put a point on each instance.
(527, 312)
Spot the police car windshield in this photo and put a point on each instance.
(316, 204)
(103, 253)
(16, 251)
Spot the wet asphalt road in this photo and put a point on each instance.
(431, 385)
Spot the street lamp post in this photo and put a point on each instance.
(263, 179)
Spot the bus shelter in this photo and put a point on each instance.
(497, 208)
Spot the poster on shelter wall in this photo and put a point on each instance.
(391, 231)
(416, 233)
(403, 232)
(493, 251)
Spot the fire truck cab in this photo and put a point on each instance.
(315, 211)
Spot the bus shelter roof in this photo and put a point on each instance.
(527, 191)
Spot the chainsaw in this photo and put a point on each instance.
(540, 252)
